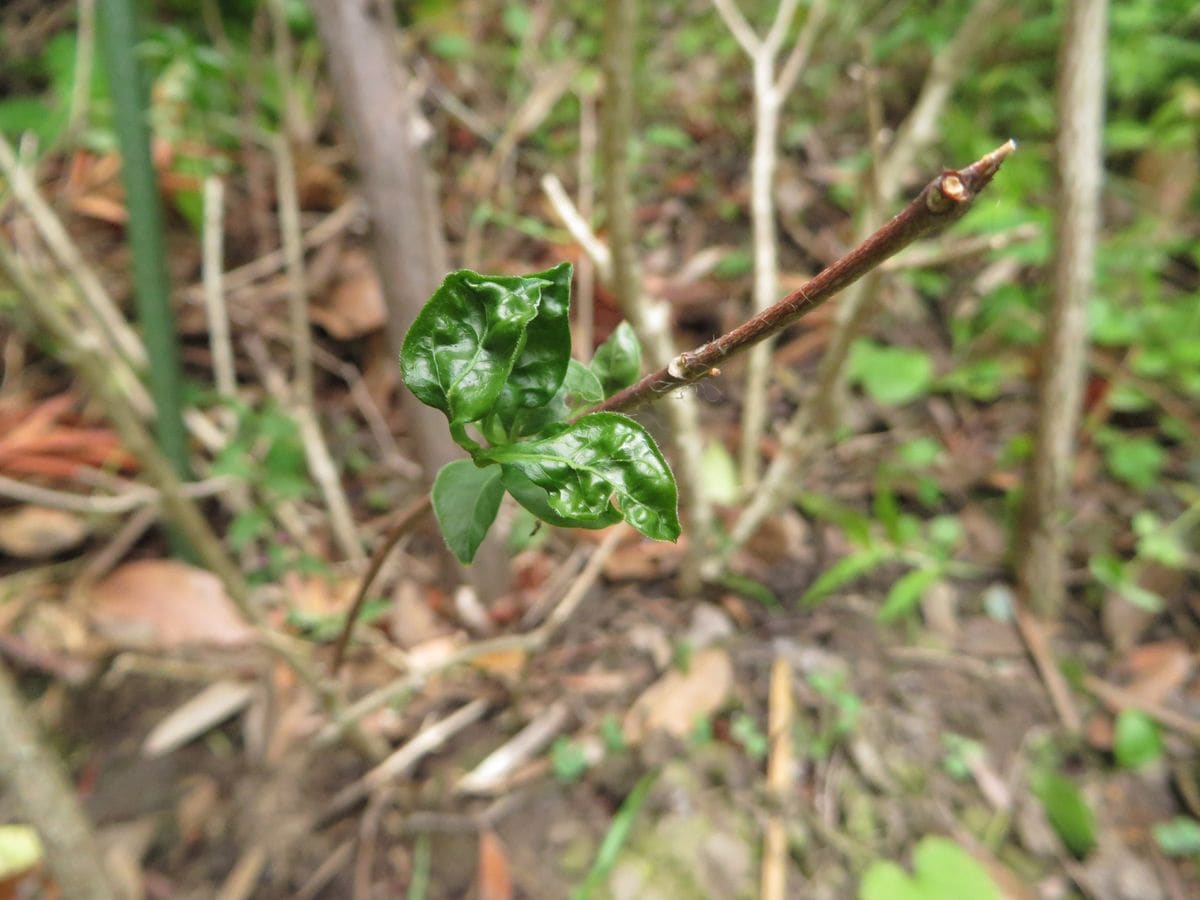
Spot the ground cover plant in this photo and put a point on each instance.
(705, 570)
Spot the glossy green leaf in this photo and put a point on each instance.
(541, 365)
(580, 390)
(584, 465)
(460, 351)
(537, 501)
(618, 361)
(1067, 811)
(1136, 739)
(466, 499)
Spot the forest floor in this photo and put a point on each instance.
(627, 755)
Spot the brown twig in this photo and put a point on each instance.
(409, 517)
(943, 201)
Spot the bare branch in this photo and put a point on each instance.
(943, 201)
(737, 24)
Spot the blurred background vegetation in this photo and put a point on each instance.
(898, 536)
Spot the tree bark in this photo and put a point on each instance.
(373, 94)
(1064, 347)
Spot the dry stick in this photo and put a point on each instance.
(914, 135)
(780, 773)
(316, 449)
(95, 370)
(651, 322)
(1064, 344)
(96, 301)
(769, 95)
(529, 642)
(214, 294)
(573, 220)
(943, 201)
(45, 798)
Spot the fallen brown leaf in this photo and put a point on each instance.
(162, 603)
(675, 702)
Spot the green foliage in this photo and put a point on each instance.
(1136, 740)
(1178, 837)
(1067, 810)
(745, 730)
(892, 376)
(494, 352)
(568, 762)
(942, 870)
(465, 501)
(618, 361)
(837, 717)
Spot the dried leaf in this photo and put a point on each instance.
(355, 306)
(495, 878)
(36, 532)
(206, 710)
(162, 603)
(676, 701)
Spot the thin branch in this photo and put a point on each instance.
(123, 339)
(214, 294)
(597, 251)
(798, 58)
(737, 24)
(137, 498)
(943, 201)
(531, 641)
(316, 449)
(1064, 343)
(94, 368)
(408, 518)
(650, 321)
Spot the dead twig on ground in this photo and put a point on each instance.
(530, 641)
(1033, 632)
(780, 773)
(94, 368)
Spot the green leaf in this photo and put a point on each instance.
(1178, 837)
(890, 375)
(618, 361)
(942, 870)
(542, 363)
(1136, 461)
(720, 474)
(1067, 811)
(580, 390)
(906, 593)
(1136, 740)
(582, 466)
(537, 501)
(461, 349)
(842, 573)
(466, 499)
